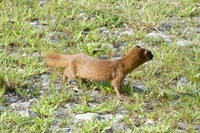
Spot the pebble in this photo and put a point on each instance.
(197, 127)
(119, 126)
(2, 108)
(108, 46)
(13, 99)
(87, 116)
(127, 32)
(20, 105)
(35, 54)
(119, 54)
(104, 56)
(108, 117)
(45, 76)
(36, 24)
(182, 126)
(160, 35)
(32, 100)
(95, 93)
(149, 122)
(24, 113)
(183, 42)
(43, 2)
(139, 88)
(105, 30)
(182, 79)
(83, 15)
(124, 43)
(93, 104)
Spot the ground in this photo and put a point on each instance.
(162, 95)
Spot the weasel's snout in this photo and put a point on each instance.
(150, 55)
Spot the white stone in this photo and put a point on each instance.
(24, 113)
(160, 35)
(20, 105)
(183, 42)
(87, 116)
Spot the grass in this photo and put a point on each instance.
(30, 30)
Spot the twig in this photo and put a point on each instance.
(182, 93)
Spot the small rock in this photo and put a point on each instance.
(41, 92)
(13, 99)
(149, 122)
(32, 113)
(45, 80)
(92, 45)
(160, 35)
(20, 105)
(182, 79)
(108, 46)
(119, 126)
(73, 81)
(182, 126)
(34, 23)
(2, 108)
(139, 88)
(37, 25)
(108, 117)
(118, 118)
(45, 85)
(93, 104)
(20, 70)
(183, 42)
(36, 54)
(56, 128)
(45, 76)
(119, 54)
(43, 2)
(197, 30)
(61, 112)
(197, 127)
(104, 56)
(87, 116)
(104, 30)
(83, 15)
(24, 113)
(141, 44)
(95, 93)
(68, 105)
(32, 100)
(123, 43)
(127, 32)
(55, 36)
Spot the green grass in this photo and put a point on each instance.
(28, 31)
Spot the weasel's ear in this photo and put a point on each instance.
(138, 46)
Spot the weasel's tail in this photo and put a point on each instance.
(57, 60)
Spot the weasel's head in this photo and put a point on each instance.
(144, 54)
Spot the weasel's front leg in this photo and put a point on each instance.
(117, 86)
(65, 75)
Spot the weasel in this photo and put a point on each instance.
(86, 67)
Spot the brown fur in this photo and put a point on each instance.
(86, 67)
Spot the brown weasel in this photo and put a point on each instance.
(86, 67)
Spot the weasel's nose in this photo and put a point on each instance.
(150, 55)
